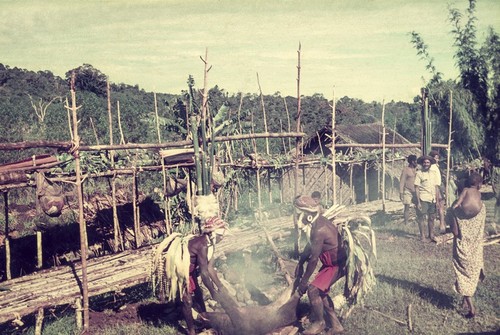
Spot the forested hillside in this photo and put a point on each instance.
(32, 108)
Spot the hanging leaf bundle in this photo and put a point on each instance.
(170, 266)
(360, 244)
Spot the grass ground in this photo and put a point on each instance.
(409, 273)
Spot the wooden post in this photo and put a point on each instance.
(82, 223)
(448, 152)
(289, 125)
(118, 242)
(8, 274)
(135, 210)
(39, 253)
(110, 115)
(78, 312)
(39, 322)
(351, 186)
(366, 180)
(393, 153)
(297, 156)
(264, 113)
(166, 200)
(334, 163)
(383, 155)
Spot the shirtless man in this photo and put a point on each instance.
(325, 245)
(201, 250)
(407, 185)
(198, 260)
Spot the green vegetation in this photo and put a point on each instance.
(407, 271)
(476, 93)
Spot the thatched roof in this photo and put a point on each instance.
(369, 133)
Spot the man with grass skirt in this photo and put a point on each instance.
(325, 245)
(178, 260)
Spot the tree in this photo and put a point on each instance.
(89, 79)
(476, 92)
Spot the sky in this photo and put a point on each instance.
(355, 48)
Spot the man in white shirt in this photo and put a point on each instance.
(440, 199)
(426, 193)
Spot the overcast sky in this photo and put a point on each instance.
(360, 48)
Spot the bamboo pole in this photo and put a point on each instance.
(82, 223)
(263, 113)
(39, 322)
(110, 114)
(393, 153)
(204, 138)
(366, 180)
(118, 242)
(39, 253)
(78, 313)
(334, 146)
(383, 155)
(448, 152)
(135, 210)
(351, 186)
(122, 139)
(297, 156)
(8, 274)
(289, 124)
(166, 200)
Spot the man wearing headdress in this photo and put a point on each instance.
(324, 245)
(192, 256)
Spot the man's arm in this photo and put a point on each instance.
(207, 272)
(417, 191)
(317, 240)
(402, 182)
(460, 198)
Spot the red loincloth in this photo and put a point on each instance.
(192, 278)
(327, 274)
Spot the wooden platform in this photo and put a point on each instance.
(61, 285)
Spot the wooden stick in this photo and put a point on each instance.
(78, 312)
(39, 322)
(39, 254)
(82, 223)
(8, 274)
(263, 113)
(408, 315)
(95, 131)
(383, 155)
(166, 200)
(297, 156)
(366, 180)
(122, 139)
(110, 115)
(118, 241)
(448, 152)
(334, 151)
(289, 125)
(135, 210)
(388, 316)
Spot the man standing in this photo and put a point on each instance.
(426, 194)
(440, 201)
(325, 244)
(407, 185)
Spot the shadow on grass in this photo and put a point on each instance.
(433, 296)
